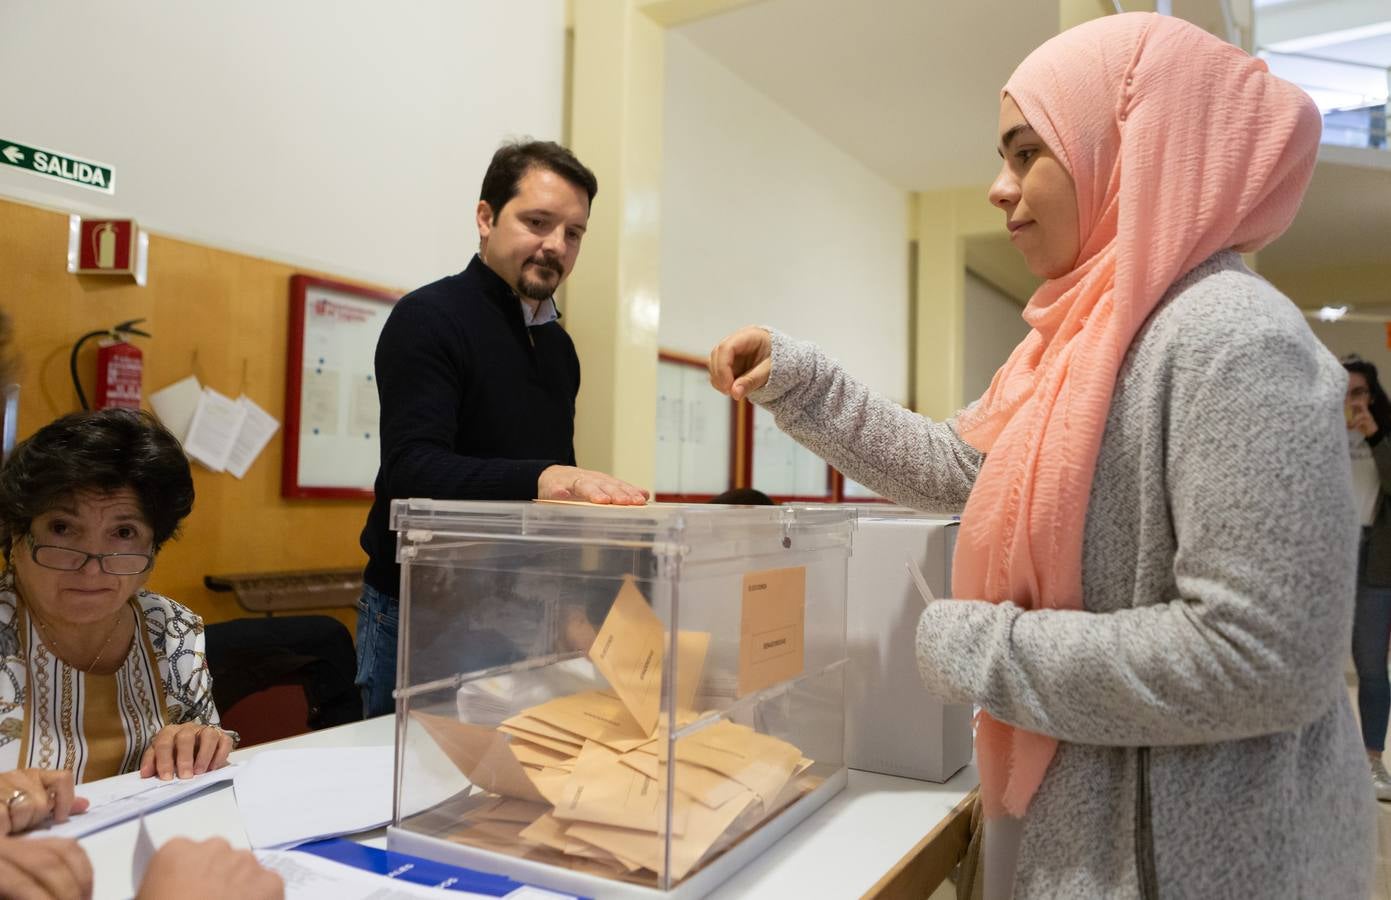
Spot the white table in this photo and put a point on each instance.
(843, 849)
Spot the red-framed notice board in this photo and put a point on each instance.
(332, 446)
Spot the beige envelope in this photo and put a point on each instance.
(704, 827)
(593, 715)
(536, 755)
(691, 649)
(705, 785)
(548, 831)
(772, 628)
(629, 651)
(603, 790)
(510, 809)
(761, 763)
(527, 727)
(483, 755)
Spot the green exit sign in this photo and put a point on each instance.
(58, 166)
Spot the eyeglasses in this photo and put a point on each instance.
(66, 559)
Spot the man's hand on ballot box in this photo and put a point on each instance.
(571, 483)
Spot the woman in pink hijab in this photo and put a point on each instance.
(1153, 558)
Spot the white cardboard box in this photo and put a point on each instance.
(893, 725)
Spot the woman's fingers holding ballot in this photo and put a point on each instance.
(31, 797)
(741, 362)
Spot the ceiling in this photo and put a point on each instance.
(910, 88)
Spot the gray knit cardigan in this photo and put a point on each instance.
(1207, 747)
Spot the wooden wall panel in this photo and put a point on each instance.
(224, 317)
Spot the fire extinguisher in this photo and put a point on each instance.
(119, 366)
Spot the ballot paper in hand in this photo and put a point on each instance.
(213, 432)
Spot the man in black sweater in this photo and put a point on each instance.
(478, 381)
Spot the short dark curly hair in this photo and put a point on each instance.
(515, 159)
(102, 451)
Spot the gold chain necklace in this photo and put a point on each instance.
(57, 651)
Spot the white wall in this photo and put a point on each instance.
(765, 222)
(349, 135)
(993, 329)
(1367, 339)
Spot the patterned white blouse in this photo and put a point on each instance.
(53, 716)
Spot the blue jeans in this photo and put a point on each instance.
(1371, 635)
(377, 627)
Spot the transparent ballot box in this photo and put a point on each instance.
(611, 701)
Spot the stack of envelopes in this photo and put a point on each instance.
(581, 779)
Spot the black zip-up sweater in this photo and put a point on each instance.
(474, 404)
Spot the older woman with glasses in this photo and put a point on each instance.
(97, 675)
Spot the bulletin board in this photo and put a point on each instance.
(332, 447)
(782, 468)
(697, 432)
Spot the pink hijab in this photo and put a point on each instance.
(1180, 145)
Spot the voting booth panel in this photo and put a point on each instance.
(639, 699)
(893, 725)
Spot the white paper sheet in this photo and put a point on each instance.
(115, 800)
(257, 428)
(175, 405)
(287, 797)
(144, 852)
(213, 431)
(309, 877)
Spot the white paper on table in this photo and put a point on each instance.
(920, 581)
(176, 403)
(116, 800)
(257, 428)
(141, 856)
(309, 877)
(213, 431)
(287, 797)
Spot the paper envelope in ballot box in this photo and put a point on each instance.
(641, 700)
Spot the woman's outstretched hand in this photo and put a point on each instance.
(741, 362)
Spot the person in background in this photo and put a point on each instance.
(744, 497)
(477, 383)
(1156, 549)
(101, 676)
(1368, 413)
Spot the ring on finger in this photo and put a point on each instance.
(15, 798)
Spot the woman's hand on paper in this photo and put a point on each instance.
(44, 869)
(210, 870)
(570, 483)
(31, 797)
(742, 362)
(186, 750)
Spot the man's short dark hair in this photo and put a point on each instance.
(514, 159)
(101, 451)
